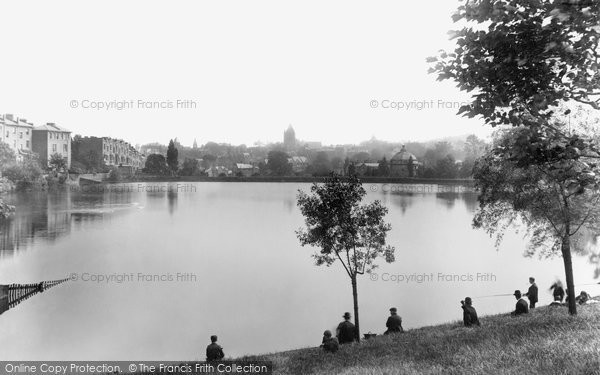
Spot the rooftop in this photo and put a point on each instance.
(11, 120)
(51, 127)
(403, 156)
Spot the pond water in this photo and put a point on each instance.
(158, 268)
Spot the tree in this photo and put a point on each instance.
(446, 167)
(172, 157)
(436, 155)
(156, 163)
(384, 168)
(262, 168)
(351, 169)
(347, 166)
(114, 175)
(321, 166)
(344, 230)
(94, 160)
(278, 164)
(208, 160)
(7, 155)
(337, 164)
(57, 162)
(361, 157)
(522, 60)
(27, 174)
(524, 57)
(190, 167)
(473, 149)
(557, 203)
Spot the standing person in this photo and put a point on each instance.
(521, 306)
(532, 293)
(329, 344)
(346, 330)
(394, 322)
(214, 351)
(469, 313)
(558, 292)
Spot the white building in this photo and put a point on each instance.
(17, 134)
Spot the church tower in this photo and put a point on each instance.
(289, 138)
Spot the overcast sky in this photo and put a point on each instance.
(251, 67)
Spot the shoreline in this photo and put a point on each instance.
(515, 344)
(291, 179)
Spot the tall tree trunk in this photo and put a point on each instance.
(355, 298)
(566, 254)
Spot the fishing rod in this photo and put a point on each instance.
(496, 295)
(588, 284)
(511, 294)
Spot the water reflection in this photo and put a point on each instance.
(289, 203)
(239, 240)
(402, 200)
(449, 199)
(48, 217)
(172, 199)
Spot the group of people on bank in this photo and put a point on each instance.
(522, 307)
(346, 330)
(345, 333)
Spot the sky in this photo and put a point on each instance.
(338, 71)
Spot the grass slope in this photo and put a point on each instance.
(546, 341)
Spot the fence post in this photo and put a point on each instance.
(3, 298)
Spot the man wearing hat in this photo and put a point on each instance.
(329, 344)
(532, 293)
(346, 332)
(394, 322)
(214, 351)
(521, 307)
(469, 314)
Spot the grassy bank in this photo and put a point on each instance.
(546, 341)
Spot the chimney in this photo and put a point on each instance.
(9, 117)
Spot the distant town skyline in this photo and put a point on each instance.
(234, 72)
(199, 144)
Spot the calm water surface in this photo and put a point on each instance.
(242, 273)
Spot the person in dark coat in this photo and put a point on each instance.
(558, 292)
(346, 331)
(394, 322)
(521, 306)
(582, 298)
(532, 293)
(469, 313)
(214, 351)
(329, 344)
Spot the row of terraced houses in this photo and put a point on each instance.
(25, 138)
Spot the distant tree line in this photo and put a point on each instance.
(443, 159)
